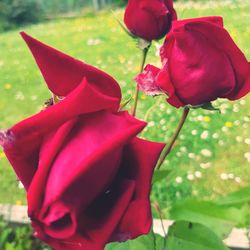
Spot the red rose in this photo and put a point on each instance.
(86, 173)
(149, 19)
(201, 63)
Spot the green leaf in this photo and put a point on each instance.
(209, 106)
(160, 174)
(123, 26)
(193, 236)
(124, 103)
(236, 198)
(145, 242)
(220, 219)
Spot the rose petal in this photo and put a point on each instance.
(215, 20)
(63, 73)
(89, 153)
(146, 81)
(138, 219)
(222, 40)
(195, 73)
(94, 233)
(26, 136)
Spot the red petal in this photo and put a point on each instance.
(222, 40)
(215, 20)
(94, 237)
(140, 158)
(93, 158)
(63, 73)
(22, 149)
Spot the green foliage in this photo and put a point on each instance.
(182, 235)
(220, 219)
(146, 242)
(160, 175)
(185, 236)
(236, 198)
(18, 238)
(19, 12)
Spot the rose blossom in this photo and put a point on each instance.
(151, 19)
(201, 63)
(87, 175)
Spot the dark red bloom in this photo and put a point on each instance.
(87, 175)
(151, 19)
(201, 63)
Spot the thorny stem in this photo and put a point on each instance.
(144, 56)
(169, 147)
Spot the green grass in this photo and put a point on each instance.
(99, 40)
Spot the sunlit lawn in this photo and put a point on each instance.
(212, 155)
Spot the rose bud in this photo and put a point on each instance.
(201, 63)
(151, 19)
(87, 175)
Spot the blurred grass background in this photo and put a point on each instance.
(212, 155)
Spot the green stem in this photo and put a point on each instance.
(144, 56)
(169, 147)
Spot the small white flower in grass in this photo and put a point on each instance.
(20, 185)
(164, 128)
(183, 149)
(215, 135)
(19, 96)
(205, 165)
(221, 143)
(237, 123)
(93, 41)
(178, 179)
(247, 141)
(206, 152)
(231, 176)
(198, 174)
(247, 156)
(190, 177)
(195, 192)
(178, 154)
(245, 125)
(130, 62)
(224, 129)
(33, 97)
(191, 155)
(204, 135)
(223, 111)
(200, 118)
(246, 119)
(239, 138)
(178, 194)
(162, 106)
(168, 111)
(236, 108)
(242, 102)
(151, 124)
(237, 179)
(194, 113)
(182, 137)
(223, 176)
(194, 132)
(123, 83)
(166, 162)
(162, 121)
